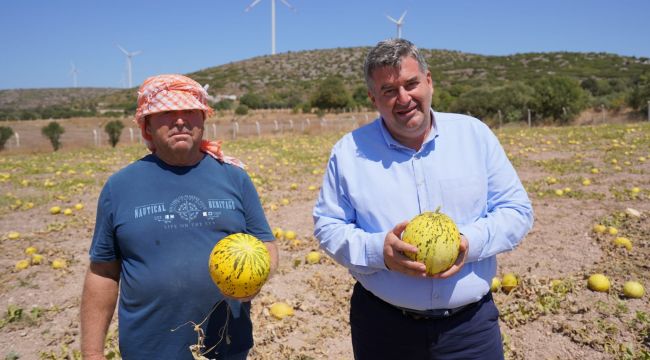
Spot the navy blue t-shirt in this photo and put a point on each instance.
(162, 222)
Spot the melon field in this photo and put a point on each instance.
(577, 177)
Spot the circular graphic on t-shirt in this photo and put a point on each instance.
(188, 207)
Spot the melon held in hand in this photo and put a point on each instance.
(239, 265)
(437, 239)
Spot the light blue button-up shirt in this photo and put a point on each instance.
(372, 183)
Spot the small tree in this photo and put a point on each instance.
(640, 95)
(331, 94)
(241, 110)
(552, 94)
(53, 132)
(225, 104)
(5, 133)
(114, 130)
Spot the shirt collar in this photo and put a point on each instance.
(392, 143)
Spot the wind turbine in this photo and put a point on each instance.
(129, 56)
(249, 7)
(399, 24)
(74, 73)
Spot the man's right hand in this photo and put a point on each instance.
(394, 257)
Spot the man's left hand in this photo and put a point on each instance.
(460, 260)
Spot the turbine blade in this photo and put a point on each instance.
(402, 17)
(285, 2)
(249, 7)
(391, 19)
(121, 48)
(136, 53)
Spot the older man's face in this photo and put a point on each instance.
(176, 131)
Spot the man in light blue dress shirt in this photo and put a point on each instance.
(408, 161)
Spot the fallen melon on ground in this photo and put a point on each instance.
(623, 241)
(598, 282)
(509, 282)
(437, 239)
(278, 233)
(313, 257)
(239, 265)
(600, 228)
(37, 259)
(22, 264)
(280, 310)
(290, 235)
(59, 264)
(31, 250)
(633, 289)
(496, 284)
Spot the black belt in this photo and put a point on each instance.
(433, 313)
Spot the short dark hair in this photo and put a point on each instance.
(390, 53)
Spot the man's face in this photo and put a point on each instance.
(403, 98)
(176, 131)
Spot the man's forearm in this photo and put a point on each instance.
(97, 307)
(272, 247)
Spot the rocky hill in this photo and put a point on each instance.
(288, 79)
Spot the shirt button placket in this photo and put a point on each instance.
(419, 182)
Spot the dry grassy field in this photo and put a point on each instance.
(577, 177)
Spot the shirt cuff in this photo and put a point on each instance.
(474, 236)
(375, 251)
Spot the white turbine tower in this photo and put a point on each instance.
(272, 18)
(74, 73)
(129, 57)
(399, 24)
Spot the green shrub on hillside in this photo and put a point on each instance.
(558, 98)
(225, 104)
(640, 94)
(331, 94)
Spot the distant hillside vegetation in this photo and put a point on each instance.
(50, 103)
(333, 78)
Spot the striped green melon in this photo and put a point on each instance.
(437, 239)
(239, 265)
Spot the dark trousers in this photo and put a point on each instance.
(231, 341)
(381, 331)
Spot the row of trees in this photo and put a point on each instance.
(554, 98)
(53, 112)
(551, 98)
(557, 99)
(53, 131)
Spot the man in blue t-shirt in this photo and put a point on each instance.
(157, 222)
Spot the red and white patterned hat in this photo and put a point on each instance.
(168, 93)
(173, 92)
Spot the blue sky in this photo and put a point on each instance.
(40, 38)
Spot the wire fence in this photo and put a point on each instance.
(28, 137)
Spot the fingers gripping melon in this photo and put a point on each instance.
(437, 239)
(239, 265)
